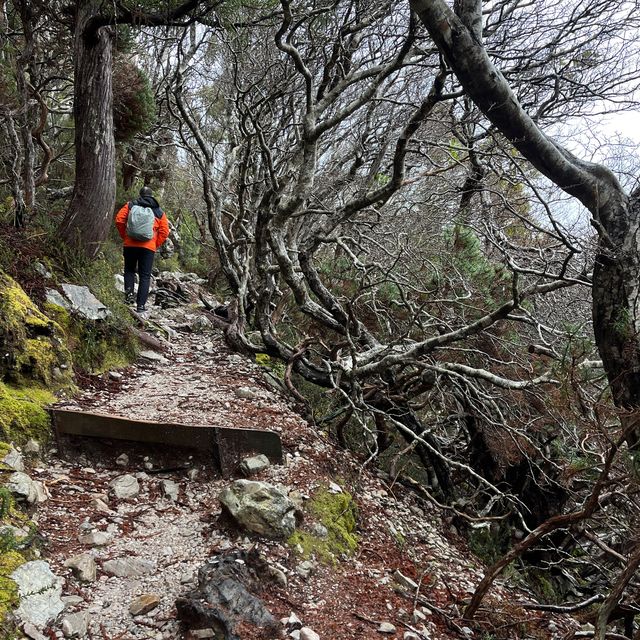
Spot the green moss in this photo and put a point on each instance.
(275, 365)
(9, 562)
(338, 513)
(96, 347)
(23, 414)
(31, 343)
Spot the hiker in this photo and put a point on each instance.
(143, 227)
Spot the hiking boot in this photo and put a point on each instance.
(129, 297)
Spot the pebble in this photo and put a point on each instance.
(122, 460)
(143, 604)
(386, 627)
(95, 539)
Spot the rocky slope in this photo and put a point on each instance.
(127, 527)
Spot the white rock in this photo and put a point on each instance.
(308, 634)
(100, 505)
(246, 393)
(152, 356)
(83, 567)
(129, 567)
(94, 538)
(22, 487)
(42, 493)
(39, 590)
(74, 625)
(170, 489)
(14, 460)
(334, 488)
(255, 464)
(33, 633)
(32, 447)
(126, 486)
(386, 627)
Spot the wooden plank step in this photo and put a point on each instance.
(227, 445)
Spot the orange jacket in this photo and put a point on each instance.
(160, 230)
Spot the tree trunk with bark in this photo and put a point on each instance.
(88, 218)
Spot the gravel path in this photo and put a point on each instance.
(165, 537)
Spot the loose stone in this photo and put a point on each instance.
(74, 625)
(126, 486)
(83, 567)
(143, 604)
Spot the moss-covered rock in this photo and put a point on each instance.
(96, 346)
(23, 413)
(32, 345)
(337, 512)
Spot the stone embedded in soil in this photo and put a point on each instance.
(83, 567)
(260, 507)
(305, 569)
(170, 489)
(198, 634)
(32, 447)
(42, 493)
(386, 627)
(71, 601)
(22, 487)
(126, 486)
(129, 567)
(278, 576)
(100, 505)
(308, 634)
(40, 590)
(143, 604)
(94, 538)
(152, 356)
(246, 393)
(74, 625)
(84, 302)
(14, 460)
(253, 465)
(404, 581)
(292, 622)
(122, 460)
(31, 632)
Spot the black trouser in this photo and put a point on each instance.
(140, 260)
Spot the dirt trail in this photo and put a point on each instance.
(198, 383)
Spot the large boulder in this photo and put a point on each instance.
(260, 507)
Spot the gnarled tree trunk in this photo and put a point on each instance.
(89, 215)
(615, 215)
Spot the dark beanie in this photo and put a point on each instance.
(145, 191)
